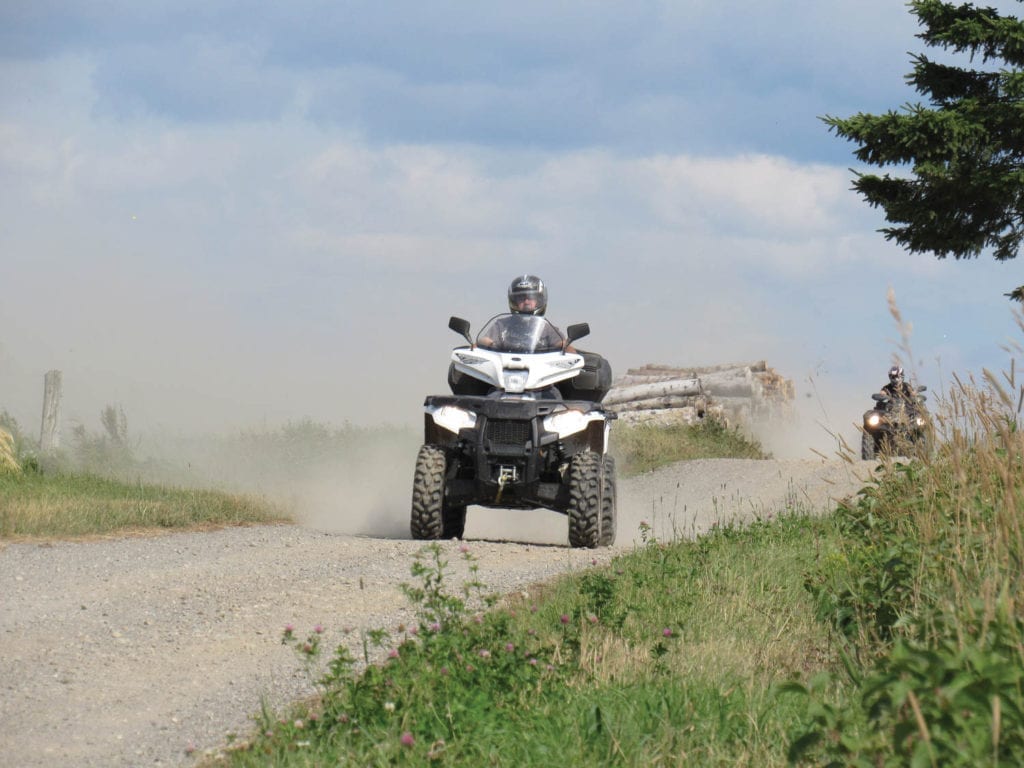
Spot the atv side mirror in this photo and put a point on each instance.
(879, 398)
(922, 388)
(461, 327)
(578, 331)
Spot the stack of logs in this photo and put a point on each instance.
(738, 394)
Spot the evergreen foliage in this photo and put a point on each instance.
(964, 149)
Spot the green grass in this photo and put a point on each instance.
(642, 448)
(71, 505)
(671, 655)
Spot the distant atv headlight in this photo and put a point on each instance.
(566, 423)
(453, 419)
(874, 420)
(919, 420)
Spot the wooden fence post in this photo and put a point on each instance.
(49, 437)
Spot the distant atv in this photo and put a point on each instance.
(523, 429)
(895, 426)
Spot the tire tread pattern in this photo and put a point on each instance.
(591, 501)
(428, 494)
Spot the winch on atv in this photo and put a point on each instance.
(522, 429)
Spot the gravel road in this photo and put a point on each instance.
(151, 651)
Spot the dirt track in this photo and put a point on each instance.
(148, 651)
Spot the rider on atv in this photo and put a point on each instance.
(898, 387)
(527, 295)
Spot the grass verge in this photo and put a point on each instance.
(33, 504)
(672, 654)
(644, 447)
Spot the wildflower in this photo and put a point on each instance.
(414, 631)
(407, 739)
(299, 725)
(393, 653)
(509, 647)
(343, 718)
(389, 706)
(666, 632)
(289, 628)
(190, 748)
(550, 667)
(435, 627)
(463, 549)
(470, 668)
(533, 662)
(484, 653)
(318, 629)
(592, 619)
(593, 561)
(269, 734)
(565, 618)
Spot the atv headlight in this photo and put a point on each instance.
(874, 420)
(919, 421)
(515, 381)
(566, 423)
(470, 359)
(453, 419)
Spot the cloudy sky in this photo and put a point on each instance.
(221, 214)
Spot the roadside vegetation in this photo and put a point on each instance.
(97, 485)
(642, 447)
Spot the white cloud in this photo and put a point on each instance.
(222, 270)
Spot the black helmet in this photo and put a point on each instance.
(895, 374)
(528, 287)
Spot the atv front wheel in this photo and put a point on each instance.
(867, 447)
(608, 503)
(428, 494)
(591, 501)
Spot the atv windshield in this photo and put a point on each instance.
(521, 334)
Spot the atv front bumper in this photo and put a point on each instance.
(503, 455)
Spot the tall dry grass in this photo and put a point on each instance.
(925, 592)
(8, 460)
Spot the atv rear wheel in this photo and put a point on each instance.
(591, 501)
(427, 520)
(867, 446)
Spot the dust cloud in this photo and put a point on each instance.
(823, 422)
(352, 480)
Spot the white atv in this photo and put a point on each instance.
(523, 429)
